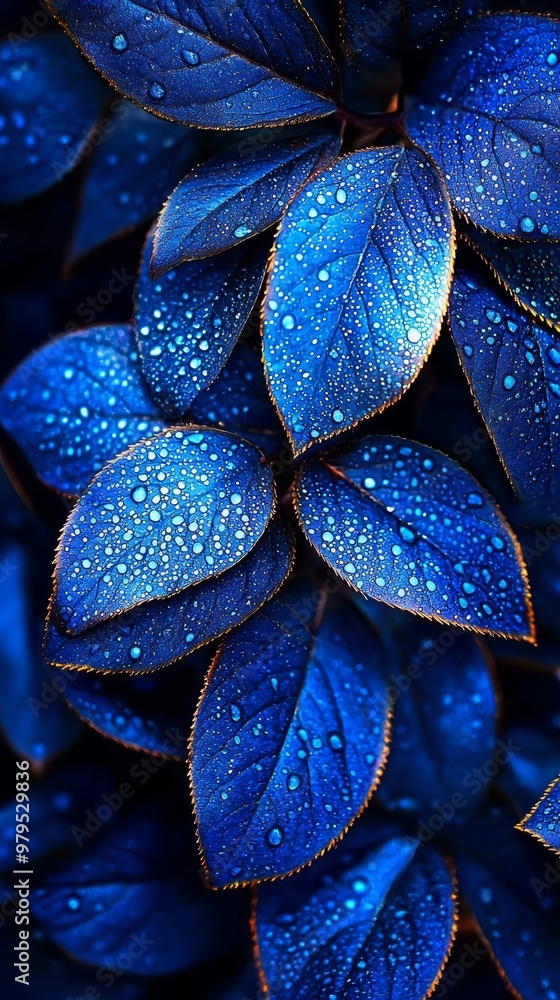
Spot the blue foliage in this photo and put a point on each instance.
(236, 194)
(143, 712)
(49, 100)
(529, 269)
(290, 294)
(157, 633)
(488, 113)
(216, 65)
(77, 403)
(543, 821)
(137, 165)
(513, 366)
(133, 892)
(145, 547)
(296, 705)
(357, 291)
(445, 708)
(407, 525)
(215, 297)
(361, 923)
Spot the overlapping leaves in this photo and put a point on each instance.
(174, 543)
(77, 403)
(295, 704)
(223, 65)
(371, 919)
(174, 510)
(513, 365)
(405, 524)
(158, 632)
(235, 195)
(488, 113)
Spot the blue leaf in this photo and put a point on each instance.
(144, 712)
(238, 401)
(188, 321)
(513, 366)
(174, 510)
(405, 524)
(131, 172)
(489, 114)
(502, 875)
(358, 287)
(77, 402)
(444, 721)
(237, 193)
(531, 271)
(543, 821)
(219, 65)
(136, 885)
(375, 922)
(157, 633)
(289, 738)
(33, 733)
(49, 100)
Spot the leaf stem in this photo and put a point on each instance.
(368, 123)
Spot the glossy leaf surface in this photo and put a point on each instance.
(238, 401)
(135, 884)
(136, 166)
(502, 875)
(77, 402)
(49, 100)
(444, 720)
(357, 290)
(189, 320)
(405, 524)
(543, 821)
(513, 366)
(489, 114)
(374, 922)
(223, 65)
(531, 271)
(172, 511)
(236, 194)
(155, 634)
(289, 738)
